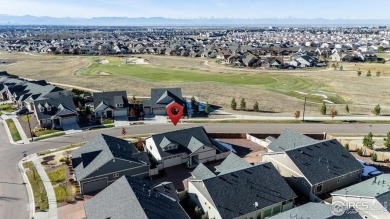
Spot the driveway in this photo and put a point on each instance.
(120, 121)
(71, 128)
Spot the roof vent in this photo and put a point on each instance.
(150, 192)
(256, 205)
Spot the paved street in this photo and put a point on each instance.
(13, 193)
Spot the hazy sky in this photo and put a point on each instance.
(366, 9)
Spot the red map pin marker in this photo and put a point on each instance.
(175, 111)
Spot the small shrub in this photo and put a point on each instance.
(360, 152)
(374, 157)
(377, 110)
(346, 146)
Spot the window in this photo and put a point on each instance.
(150, 147)
(276, 210)
(41, 109)
(319, 188)
(115, 175)
(119, 105)
(49, 108)
(267, 213)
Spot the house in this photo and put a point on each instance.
(161, 98)
(191, 146)
(313, 167)
(313, 210)
(56, 113)
(238, 189)
(104, 159)
(371, 197)
(110, 104)
(130, 197)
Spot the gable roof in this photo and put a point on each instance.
(236, 193)
(110, 99)
(161, 97)
(103, 148)
(58, 107)
(323, 161)
(289, 139)
(134, 198)
(313, 211)
(232, 163)
(188, 140)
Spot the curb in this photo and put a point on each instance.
(9, 133)
(29, 189)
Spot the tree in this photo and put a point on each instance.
(207, 108)
(377, 110)
(134, 99)
(380, 49)
(334, 66)
(368, 141)
(323, 109)
(233, 104)
(359, 73)
(194, 104)
(297, 114)
(346, 146)
(374, 157)
(198, 212)
(243, 104)
(341, 67)
(387, 141)
(378, 73)
(368, 73)
(256, 107)
(333, 113)
(347, 109)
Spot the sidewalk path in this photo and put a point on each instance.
(48, 187)
(21, 131)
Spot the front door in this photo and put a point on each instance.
(109, 114)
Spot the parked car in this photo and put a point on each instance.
(22, 111)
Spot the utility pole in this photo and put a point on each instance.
(29, 126)
(304, 108)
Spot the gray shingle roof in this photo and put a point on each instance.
(110, 148)
(59, 107)
(111, 98)
(323, 161)
(188, 140)
(313, 211)
(134, 198)
(232, 163)
(201, 172)
(161, 97)
(372, 188)
(234, 194)
(289, 139)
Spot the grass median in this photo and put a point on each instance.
(39, 192)
(14, 131)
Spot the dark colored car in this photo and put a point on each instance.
(22, 111)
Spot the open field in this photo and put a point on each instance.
(279, 92)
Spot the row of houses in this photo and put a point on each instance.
(295, 166)
(54, 107)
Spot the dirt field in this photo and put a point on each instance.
(283, 95)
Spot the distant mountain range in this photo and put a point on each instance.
(159, 21)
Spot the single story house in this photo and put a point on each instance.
(314, 167)
(238, 189)
(191, 146)
(130, 197)
(161, 98)
(371, 197)
(104, 159)
(110, 104)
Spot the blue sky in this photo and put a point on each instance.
(350, 9)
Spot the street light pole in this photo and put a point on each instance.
(304, 109)
(29, 126)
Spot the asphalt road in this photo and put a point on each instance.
(13, 193)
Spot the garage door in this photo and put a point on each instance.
(120, 113)
(70, 120)
(168, 162)
(94, 186)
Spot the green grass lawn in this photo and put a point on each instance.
(6, 107)
(286, 84)
(62, 192)
(14, 131)
(25, 118)
(58, 175)
(46, 132)
(39, 192)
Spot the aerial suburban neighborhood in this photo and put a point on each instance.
(194, 110)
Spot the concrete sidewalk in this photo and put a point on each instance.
(21, 131)
(52, 213)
